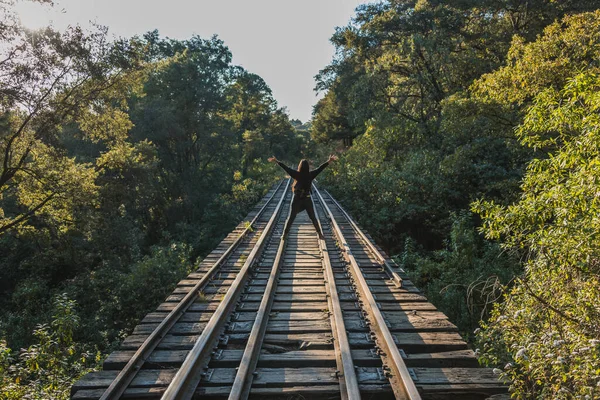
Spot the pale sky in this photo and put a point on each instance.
(286, 42)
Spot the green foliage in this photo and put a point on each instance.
(329, 122)
(563, 49)
(119, 299)
(465, 278)
(399, 60)
(547, 329)
(47, 368)
(51, 80)
(121, 165)
(431, 93)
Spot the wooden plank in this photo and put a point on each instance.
(381, 289)
(301, 282)
(346, 306)
(398, 297)
(444, 376)
(215, 282)
(296, 289)
(325, 392)
(206, 297)
(405, 325)
(290, 377)
(284, 326)
(297, 275)
(277, 306)
(309, 357)
(155, 317)
(426, 377)
(207, 290)
(144, 378)
(444, 359)
(316, 392)
(307, 306)
(409, 342)
(380, 298)
(287, 297)
(285, 316)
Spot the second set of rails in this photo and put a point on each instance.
(264, 316)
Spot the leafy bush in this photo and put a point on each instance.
(47, 368)
(114, 301)
(546, 333)
(463, 279)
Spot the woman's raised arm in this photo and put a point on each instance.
(291, 172)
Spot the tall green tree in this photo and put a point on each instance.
(545, 333)
(50, 80)
(125, 163)
(418, 88)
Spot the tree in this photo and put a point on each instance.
(546, 331)
(51, 80)
(430, 93)
(47, 368)
(329, 122)
(398, 60)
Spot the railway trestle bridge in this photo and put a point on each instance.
(300, 318)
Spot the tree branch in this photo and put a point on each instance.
(27, 215)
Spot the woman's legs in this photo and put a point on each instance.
(299, 204)
(296, 208)
(311, 214)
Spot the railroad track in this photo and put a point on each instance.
(300, 318)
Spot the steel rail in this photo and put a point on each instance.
(129, 371)
(242, 384)
(189, 375)
(390, 270)
(349, 389)
(400, 379)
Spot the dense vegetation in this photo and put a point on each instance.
(467, 116)
(469, 134)
(121, 165)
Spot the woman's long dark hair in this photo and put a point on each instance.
(303, 167)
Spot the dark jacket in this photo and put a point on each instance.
(302, 182)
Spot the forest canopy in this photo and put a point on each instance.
(469, 144)
(471, 148)
(122, 163)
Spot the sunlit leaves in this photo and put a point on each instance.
(52, 79)
(557, 220)
(110, 125)
(547, 328)
(46, 368)
(50, 186)
(567, 47)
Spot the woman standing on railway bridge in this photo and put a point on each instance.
(303, 178)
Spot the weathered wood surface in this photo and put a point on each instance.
(298, 358)
(409, 342)
(300, 377)
(449, 381)
(306, 306)
(298, 355)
